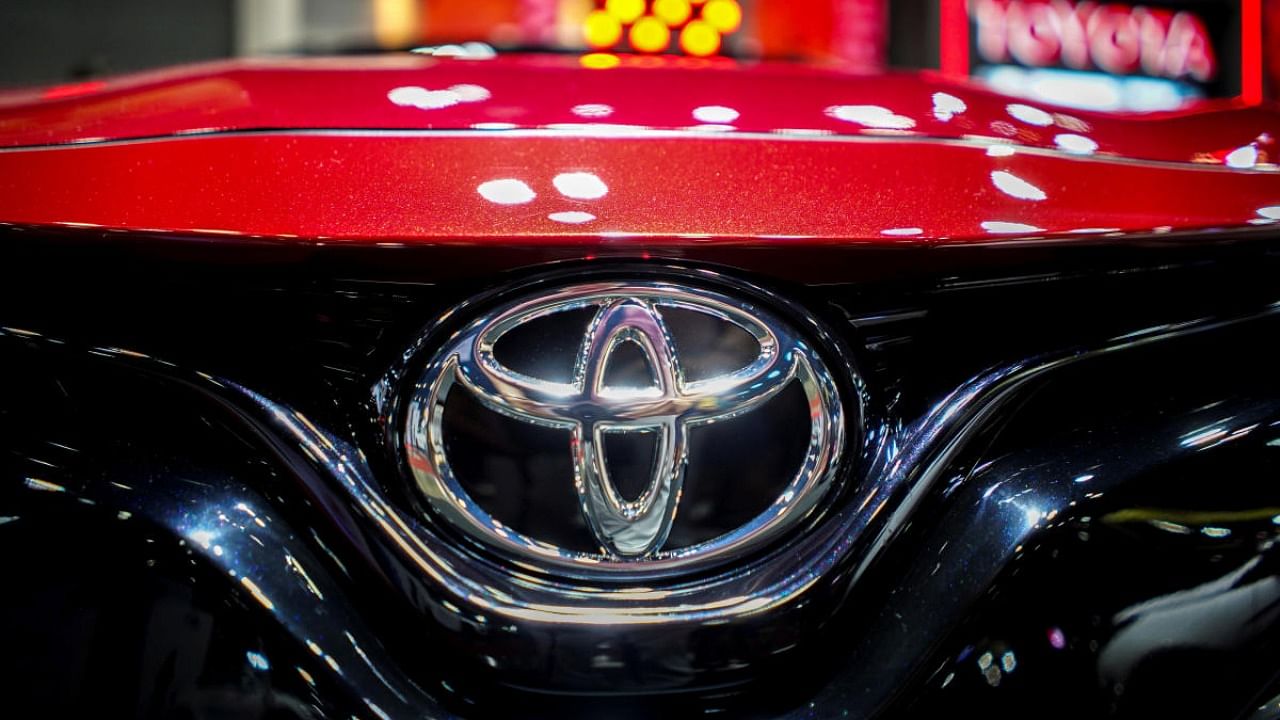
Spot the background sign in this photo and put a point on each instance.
(1104, 55)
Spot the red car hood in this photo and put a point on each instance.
(651, 150)
(559, 92)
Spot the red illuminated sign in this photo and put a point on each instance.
(1114, 38)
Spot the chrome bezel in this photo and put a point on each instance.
(631, 533)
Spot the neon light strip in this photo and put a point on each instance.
(953, 41)
(1251, 51)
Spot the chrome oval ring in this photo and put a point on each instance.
(631, 533)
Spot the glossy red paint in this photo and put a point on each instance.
(551, 91)
(797, 162)
(629, 192)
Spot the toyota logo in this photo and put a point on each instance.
(630, 532)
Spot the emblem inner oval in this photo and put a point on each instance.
(631, 532)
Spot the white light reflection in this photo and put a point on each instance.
(377, 710)
(947, 106)
(1009, 661)
(1001, 227)
(718, 114)
(422, 98)
(990, 671)
(1203, 437)
(1057, 638)
(902, 231)
(257, 661)
(466, 51)
(1270, 212)
(598, 129)
(506, 191)
(257, 593)
(1075, 144)
(593, 110)
(580, 185)
(296, 567)
(45, 485)
(1029, 115)
(425, 99)
(1014, 186)
(1242, 158)
(873, 116)
(803, 132)
(572, 217)
(470, 93)
(1172, 527)
(1000, 150)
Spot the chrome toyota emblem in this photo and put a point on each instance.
(631, 533)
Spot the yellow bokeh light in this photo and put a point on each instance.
(650, 34)
(627, 11)
(395, 22)
(724, 15)
(700, 39)
(601, 29)
(599, 61)
(672, 12)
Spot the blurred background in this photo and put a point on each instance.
(1107, 56)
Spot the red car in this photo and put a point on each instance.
(616, 386)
